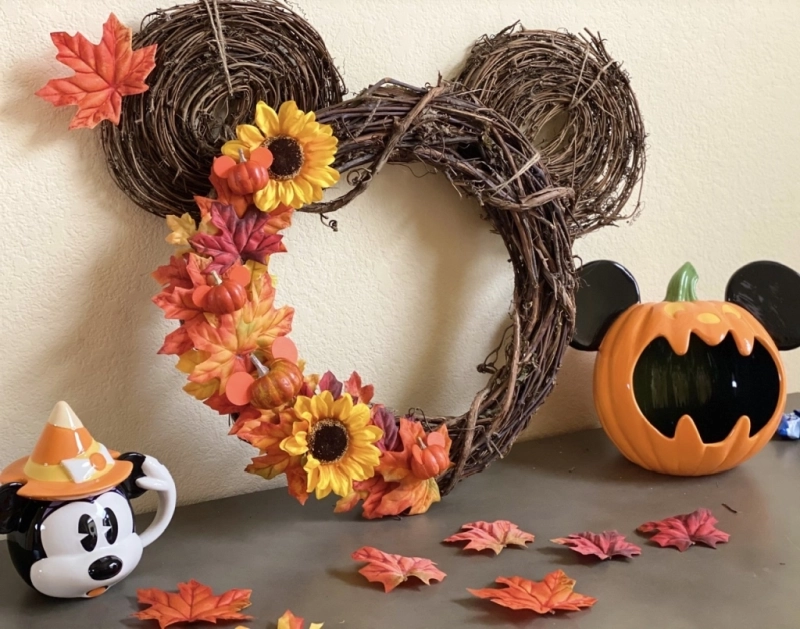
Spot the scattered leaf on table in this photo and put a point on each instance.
(104, 73)
(491, 535)
(290, 621)
(554, 593)
(682, 531)
(392, 570)
(193, 602)
(604, 545)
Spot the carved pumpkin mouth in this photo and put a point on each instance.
(714, 384)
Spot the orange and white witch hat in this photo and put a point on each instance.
(67, 463)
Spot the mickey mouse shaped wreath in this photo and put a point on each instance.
(244, 94)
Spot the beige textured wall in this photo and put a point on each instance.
(413, 287)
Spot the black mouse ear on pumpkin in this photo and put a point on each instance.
(129, 486)
(606, 289)
(10, 507)
(770, 291)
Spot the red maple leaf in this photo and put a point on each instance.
(104, 73)
(358, 392)
(491, 535)
(553, 593)
(173, 275)
(193, 601)
(605, 545)
(238, 238)
(177, 342)
(682, 531)
(392, 570)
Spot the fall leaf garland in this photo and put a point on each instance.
(325, 436)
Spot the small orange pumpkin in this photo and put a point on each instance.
(225, 297)
(247, 176)
(688, 387)
(428, 461)
(278, 386)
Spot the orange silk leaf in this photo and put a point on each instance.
(553, 593)
(491, 535)
(104, 73)
(193, 602)
(392, 570)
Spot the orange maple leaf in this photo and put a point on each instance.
(392, 570)
(491, 535)
(411, 494)
(371, 491)
(193, 601)
(552, 594)
(104, 73)
(266, 433)
(236, 336)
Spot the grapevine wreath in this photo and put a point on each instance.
(227, 116)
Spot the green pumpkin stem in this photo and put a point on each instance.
(683, 285)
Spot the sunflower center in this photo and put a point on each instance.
(287, 157)
(328, 440)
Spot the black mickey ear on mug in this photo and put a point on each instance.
(129, 486)
(10, 507)
(769, 291)
(606, 289)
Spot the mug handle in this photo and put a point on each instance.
(157, 478)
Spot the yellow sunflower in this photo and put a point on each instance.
(302, 151)
(337, 440)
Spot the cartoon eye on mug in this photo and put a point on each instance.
(67, 514)
(684, 386)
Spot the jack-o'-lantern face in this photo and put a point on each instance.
(682, 386)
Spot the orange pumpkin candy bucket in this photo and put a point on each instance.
(683, 386)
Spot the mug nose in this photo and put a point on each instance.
(105, 568)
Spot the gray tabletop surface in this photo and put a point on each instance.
(299, 557)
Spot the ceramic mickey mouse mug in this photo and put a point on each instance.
(66, 510)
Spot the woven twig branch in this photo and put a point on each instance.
(485, 156)
(576, 104)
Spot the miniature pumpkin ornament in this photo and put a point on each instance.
(429, 460)
(226, 296)
(277, 385)
(246, 176)
(684, 386)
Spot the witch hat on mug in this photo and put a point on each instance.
(67, 463)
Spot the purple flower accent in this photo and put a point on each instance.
(384, 419)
